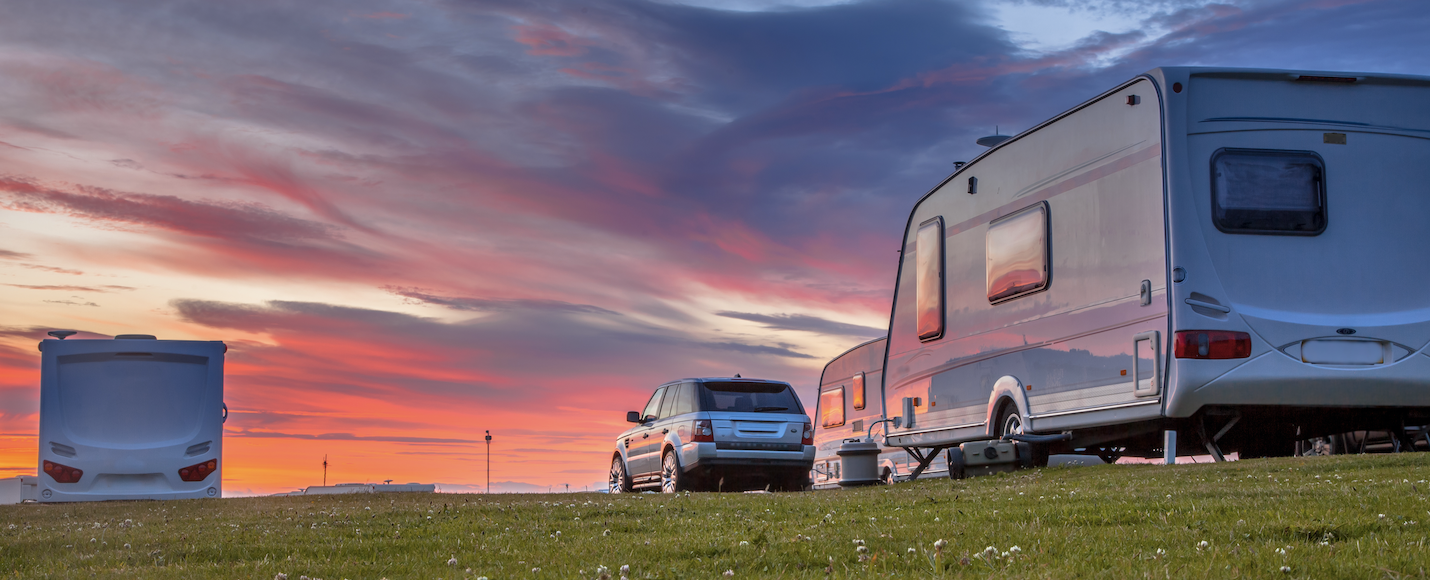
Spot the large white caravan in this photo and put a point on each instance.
(851, 401)
(130, 418)
(1233, 255)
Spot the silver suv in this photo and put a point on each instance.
(717, 434)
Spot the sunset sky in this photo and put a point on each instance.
(415, 221)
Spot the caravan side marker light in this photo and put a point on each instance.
(199, 471)
(1212, 344)
(63, 473)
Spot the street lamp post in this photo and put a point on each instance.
(489, 461)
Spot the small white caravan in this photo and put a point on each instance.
(1229, 254)
(130, 418)
(851, 401)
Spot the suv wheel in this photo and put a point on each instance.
(619, 482)
(671, 479)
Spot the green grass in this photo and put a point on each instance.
(1336, 517)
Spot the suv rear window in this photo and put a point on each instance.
(1264, 191)
(747, 397)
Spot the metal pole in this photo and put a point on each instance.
(325, 470)
(489, 461)
(1169, 447)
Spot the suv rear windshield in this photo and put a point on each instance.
(747, 397)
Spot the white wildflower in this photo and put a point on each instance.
(280, 576)
(1203, 545)
(744, 543)
(728, 573)
(1285, 569)
(1015, 550)
(606, 533)
(535, 570)
(858, 542)
(911, 550)
(1161, 552)
(862, 549)
(940, 544)
(625, 570)
(452, 561)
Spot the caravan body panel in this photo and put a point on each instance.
(1278, 206)
(1065, 347)
(129, 414)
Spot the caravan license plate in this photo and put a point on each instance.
(1343, 352)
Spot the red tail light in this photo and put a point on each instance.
(198, 472)
(702, 432)
(1212, 344)
(808, 437)
(63, 473)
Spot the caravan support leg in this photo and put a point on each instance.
(924, 460)
(1211, 442)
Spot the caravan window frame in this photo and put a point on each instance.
(929, 264)
(990, 268)
(1217, 210)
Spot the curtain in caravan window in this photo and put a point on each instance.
(831, 408)
(1018, 253)
(928, 278)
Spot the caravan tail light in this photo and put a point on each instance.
(1212, 344)
(199, 471)
(702, 432)
(63, 473)
(808, 437)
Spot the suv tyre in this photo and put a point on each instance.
(671, 477)
(620, 481)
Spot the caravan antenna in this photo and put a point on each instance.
(61, 334)
(994, 139)
(737, 375)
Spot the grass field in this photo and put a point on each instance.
(1325, 517)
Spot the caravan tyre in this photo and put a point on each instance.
(956, 467)
(619, 481)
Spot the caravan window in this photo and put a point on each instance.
(928, 279)
(1017, 256)
(831, 408)
(857, 391)
(1259, 191)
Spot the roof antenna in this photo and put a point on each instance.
(61, 334)
(737, 375)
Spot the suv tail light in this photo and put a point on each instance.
(702, 432)
(808, 437)
(199, 471)
(1212, 344)
(63, 473)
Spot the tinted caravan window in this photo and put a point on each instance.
(749, 397)
(1258, 191)
(1017, 257)
(831, 408)
(928, 278)
(856, 391)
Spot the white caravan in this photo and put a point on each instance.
(1251, 235)
(851, 400)
(130, 418)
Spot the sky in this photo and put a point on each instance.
(413, 222)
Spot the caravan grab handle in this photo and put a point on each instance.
(225, 412)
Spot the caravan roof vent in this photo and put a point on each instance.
(135, 337)
(993, 140)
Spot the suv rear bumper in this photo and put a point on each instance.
(705, 455)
